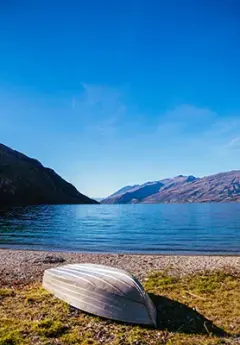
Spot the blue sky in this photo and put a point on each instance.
(110, 93)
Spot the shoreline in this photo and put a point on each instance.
(22, 267)
(119, 253)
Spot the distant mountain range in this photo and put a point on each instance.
(25, 181)
(222, 187)
(98, 199)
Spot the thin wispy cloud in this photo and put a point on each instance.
(100, 108)
(223, 136)
(103, 112)
(234, 144)
(186, 118)
(195, 125)
(189, 112)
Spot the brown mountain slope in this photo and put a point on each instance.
(25, 181)
(222, 187)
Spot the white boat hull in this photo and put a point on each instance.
(101, 290)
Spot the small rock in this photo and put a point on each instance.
(50, 259)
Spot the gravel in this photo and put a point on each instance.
(18, 267)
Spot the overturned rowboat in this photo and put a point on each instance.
(101, 290)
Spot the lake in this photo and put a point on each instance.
(158, 229)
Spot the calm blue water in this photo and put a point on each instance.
(189, 228)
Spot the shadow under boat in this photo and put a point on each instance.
(177, 317)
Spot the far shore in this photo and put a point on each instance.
(19, 267)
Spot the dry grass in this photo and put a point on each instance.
(197, 309)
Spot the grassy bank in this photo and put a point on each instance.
(196, 309)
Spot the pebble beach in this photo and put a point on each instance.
(19, 267)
